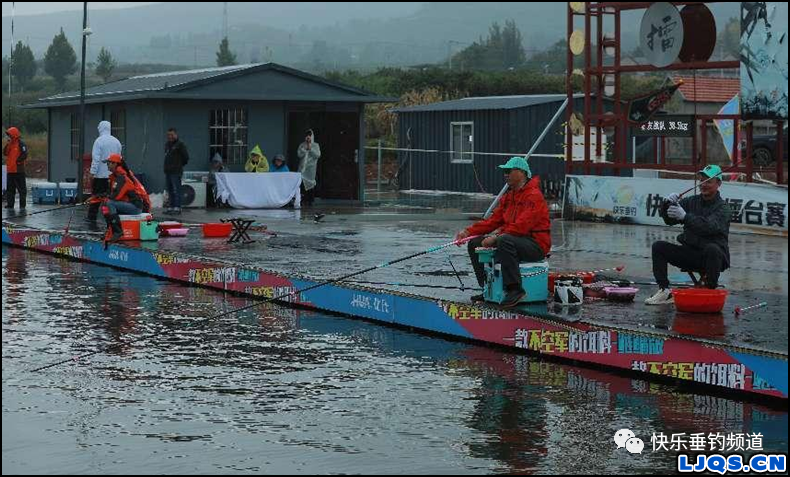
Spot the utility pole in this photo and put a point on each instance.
(11, 64)
(81, 150)
(224, 19)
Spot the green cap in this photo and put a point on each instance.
(518, 163)
(712, 171)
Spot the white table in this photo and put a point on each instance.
(259, 190)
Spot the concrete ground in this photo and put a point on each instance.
(352, 238)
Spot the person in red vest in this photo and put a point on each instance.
(15, 153)
(521, 226)
(127, 196)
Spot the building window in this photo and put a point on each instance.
(462, 142)
(75, 137)
(228, 135)
(118, 122)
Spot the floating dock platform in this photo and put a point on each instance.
(745, 355)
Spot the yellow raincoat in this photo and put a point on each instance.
(257, 161)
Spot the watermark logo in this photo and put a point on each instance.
(634, 445)
(712, 453)
(627, 439)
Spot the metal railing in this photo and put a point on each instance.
(389, 169)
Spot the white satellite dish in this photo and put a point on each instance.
(661, 34)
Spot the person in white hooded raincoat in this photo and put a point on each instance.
(105, 145)
(309, 152)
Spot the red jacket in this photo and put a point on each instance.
(125, 187)
(522, 213)
(15, 152)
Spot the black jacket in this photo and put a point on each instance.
(176, 157)
(707, 221)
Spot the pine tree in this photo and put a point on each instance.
(60, 60)
(24, 64)
(225, 57)
(105, 64)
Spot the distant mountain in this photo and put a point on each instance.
(311, 35)
(129, 32)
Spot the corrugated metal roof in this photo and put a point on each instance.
(171, 84)
(486, 102)
(152, 82)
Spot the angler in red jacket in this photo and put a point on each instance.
(521, 226)
(126, 197)
(15, 153)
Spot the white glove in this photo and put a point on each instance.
(673, 198)
(676, 212)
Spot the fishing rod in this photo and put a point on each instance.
(739, 310)
(54, 209)
(267, 300)
(618, 269)
(412, 285)
(717, 176)
(68, 225)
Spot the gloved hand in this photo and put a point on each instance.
(673, 198)
(676, 212)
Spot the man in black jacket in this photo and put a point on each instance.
(176, 157)
(704, 243)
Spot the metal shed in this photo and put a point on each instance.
(445, 157)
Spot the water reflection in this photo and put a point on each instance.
(280, 390)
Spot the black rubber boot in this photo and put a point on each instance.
(513, 297)
(114, 224)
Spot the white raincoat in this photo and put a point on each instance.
(103, 147)
(308, 162)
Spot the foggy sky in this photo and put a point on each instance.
(31, 8)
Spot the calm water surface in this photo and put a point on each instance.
(282, 391)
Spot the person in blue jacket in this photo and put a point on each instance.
(279, 165)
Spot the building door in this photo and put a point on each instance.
(338, 136)
(339, 165)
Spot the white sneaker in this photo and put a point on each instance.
(661, 297)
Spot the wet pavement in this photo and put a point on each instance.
(352, 238)
(276, 390)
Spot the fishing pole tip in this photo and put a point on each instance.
(464, 240)
(739, 310)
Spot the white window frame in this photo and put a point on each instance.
(74, 137)
(118, 125)
(457, 157)
(228, 134)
